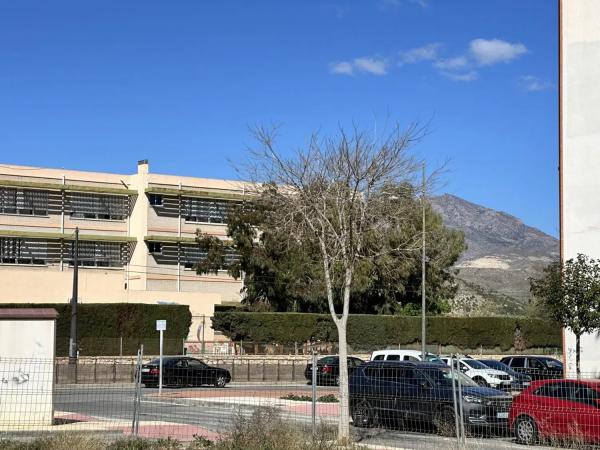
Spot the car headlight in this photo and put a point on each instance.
(472, 399)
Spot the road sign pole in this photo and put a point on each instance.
(161, 326)
(160, 364)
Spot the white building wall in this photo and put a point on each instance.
(580, 150)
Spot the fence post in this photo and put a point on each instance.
(248, 371)
(95, 369)
(293, 370)
(278, 375)
(121, 346)
(454, 375)
(263, 369)
(314, 391)
(114, 377)
(233, 369)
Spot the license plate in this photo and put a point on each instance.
(145, 370)
(502, 415)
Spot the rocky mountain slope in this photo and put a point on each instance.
(502, 254)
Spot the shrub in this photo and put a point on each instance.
(373, 331)
(100, 325)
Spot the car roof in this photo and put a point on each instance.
(416, 364)
(591, 383)
(400, 352)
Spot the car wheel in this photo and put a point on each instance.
(220, 381)
(481, 382)
(526, 431)
(362, 414)
(444, 422)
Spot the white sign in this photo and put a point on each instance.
(161, 325)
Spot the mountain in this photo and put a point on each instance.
(502, 254)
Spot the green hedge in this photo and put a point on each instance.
(370, 331)
(100, 325)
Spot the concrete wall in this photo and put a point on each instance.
(580, 149)
(26, 373)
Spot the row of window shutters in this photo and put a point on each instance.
(31, 202)
(31, 251)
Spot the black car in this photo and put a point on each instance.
(384, 392)
(184, 371)
(519, 380)
(328, 369)
(536, 367)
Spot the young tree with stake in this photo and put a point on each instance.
(343, 194)
(570, 292)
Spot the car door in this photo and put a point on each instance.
(200, 373)
(554, 407)
(585, 414)
(177, 374)
(518, 364)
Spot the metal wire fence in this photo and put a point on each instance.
(393, 404)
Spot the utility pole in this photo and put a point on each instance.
(73, 337)
(423, 304)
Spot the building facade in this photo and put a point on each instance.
(136, 238)
(579, 99)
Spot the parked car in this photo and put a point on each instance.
(558, 410)
(328, 369)
(519, 381)
(480, 373)
(404, 355)
(417, 392)
(181, 371)
(537, 367)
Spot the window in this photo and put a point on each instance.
(98, 254)
(155, 199)
(562, 391)
(97, 206)
(535, 364)
(26, 202)
(587, 396)
(208, 211)
(182, 363)
(192, 254)
(195, 364)
(410, 358)
(23, 251)
(155, 247)
(379, 358)
(518, 363)
(393, 358)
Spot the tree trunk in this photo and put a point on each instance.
(344, 419)
(578, 355)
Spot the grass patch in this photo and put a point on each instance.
(329, 398)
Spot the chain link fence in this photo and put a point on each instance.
(393, 404)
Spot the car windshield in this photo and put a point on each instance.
(444, 375)
(434, 359)
(553, 363)
(496, 365)
(474, 364)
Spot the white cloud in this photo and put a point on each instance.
(532, 84)
(456, 63)
(374, 66)
(461, 76)
(341, 68)
(493, 51)
(425, 53)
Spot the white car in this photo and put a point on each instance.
(404, 355)
(480, 373)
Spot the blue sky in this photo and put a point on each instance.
(97, 85)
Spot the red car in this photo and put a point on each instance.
(562, 410)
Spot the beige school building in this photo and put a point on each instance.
(136, 238)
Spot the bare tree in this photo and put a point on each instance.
(344, 194)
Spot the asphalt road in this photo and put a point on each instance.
(114, 403)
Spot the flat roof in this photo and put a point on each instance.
(28, 313)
